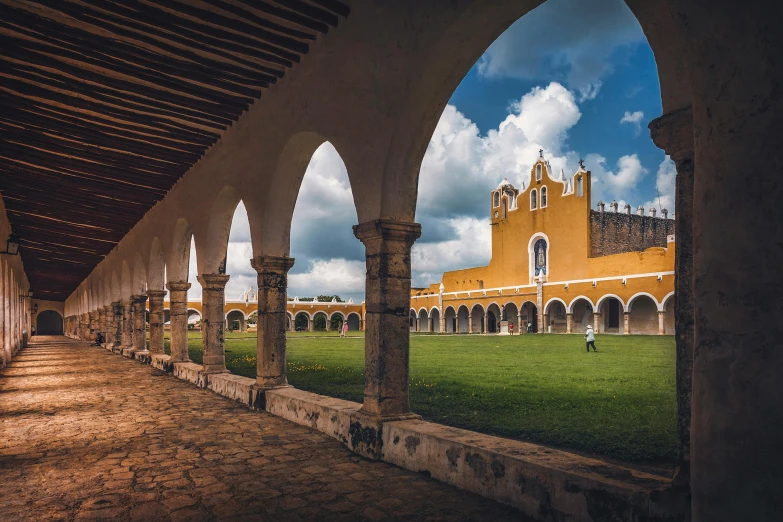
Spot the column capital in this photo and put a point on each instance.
(139, 298)
(178, 286)
(276, 264)
(387, 229)
(213, 281)
(156, 294)
(673, 132)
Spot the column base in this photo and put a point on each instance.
(365, 434)
(258, 395)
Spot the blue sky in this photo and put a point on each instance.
(574, 77)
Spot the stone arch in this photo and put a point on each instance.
(212, 243)
(634, 297)
(157, 266)
(139, 284)
(555, 311)
(512, 315)
(49, 322)
(412, 318)
(667, 307)
(336, 319)
(116, 292)
(643, 314)
(317, 320)
(307, 324)
(611, 319)
(125, 282)
(354, 321)
(477, 312)
(179, 253)
(463, 312)
(529, 313)
(424, 320)
(493, 315)
(667, 302)
(450, 315)
(434, 319)
(289, 325)
(582, 311)
(235, 314)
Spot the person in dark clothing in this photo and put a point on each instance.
(99, 339)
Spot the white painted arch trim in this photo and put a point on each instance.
(336, 312)
(603, 298)
(474, 305)
(353, 313)
(434, 309)
(449, 307)
(570, 307)
(531, 267)
(236, 310)
(640, 294)
(665, 300)
(309, 317)
(426, 313)
(552, 300)
(195, 310)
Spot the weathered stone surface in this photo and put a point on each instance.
(194, 454)
(157, 320)
(213, 300)
(232, 386)
(178, 302)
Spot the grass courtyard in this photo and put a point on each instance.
(617, 403)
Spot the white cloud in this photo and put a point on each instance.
(329, 277)
(633, 118)
(664, 183)
(571, 41)
(620, 184)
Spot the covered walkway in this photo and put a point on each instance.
(86, 435)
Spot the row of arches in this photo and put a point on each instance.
(641, 314)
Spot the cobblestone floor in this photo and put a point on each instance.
(85, 434)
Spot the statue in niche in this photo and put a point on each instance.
(539, 250)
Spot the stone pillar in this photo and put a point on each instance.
(178, 319)
(486, 323)
(673, 132)
(310, 324)
(213, 300)
(441, 323)
(521, 328)
(569, 323)
(418, 324)
(139, 304)
(108, 321)
(597, 316)
(470, 323)
(157, 320)
(270, 337)
(546, 323)
(540, 304)
(661, 323)
(117, 310)
(626, 323)
(387, 339)
(127, 324)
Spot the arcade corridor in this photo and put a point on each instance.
(86, 435)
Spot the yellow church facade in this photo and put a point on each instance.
(558, 265)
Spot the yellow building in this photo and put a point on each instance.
(559, 265)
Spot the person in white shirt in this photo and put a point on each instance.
(590, 339)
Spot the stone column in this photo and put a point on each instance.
(441, 323)
(661, 323)
(108, 316)
(546, 323)
(270, 337)
(540, 304)
(117, 310)
(486, 323)
(673, 132)
(626, 323)
(569, 323)
(139, 323)
(387, 339)
(157, 320)
(470, 323)
(597, 316)
(418, 324)
(178, 318)
(213, 301)
(127, 324)
(310, 324)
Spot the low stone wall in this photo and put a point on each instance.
(543, 483)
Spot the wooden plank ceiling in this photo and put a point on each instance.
(105, 104)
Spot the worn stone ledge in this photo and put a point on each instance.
(162, 362)
(142, 356)
(128, 352)
(234, 387)
(191, 372)
(543, 483)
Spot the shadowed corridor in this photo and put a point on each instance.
(85, 434)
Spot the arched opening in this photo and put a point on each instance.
(462, 319)
(424, 321)
(336, 321)
(543, 197)
(511, 312)
(435, 320)
(555, 313)
(252, 321)
(668, 314)
(49, 322)
(319, 321)
(235, 321)
(354, 321)
(533, 199)
(643, 315)
(529, 317)
(302, 322)
(493, 318)
(581, 314)
(611, 310)
(167, 317)
(413, 321)
(451, 320)
(194, 319)
(477, 319)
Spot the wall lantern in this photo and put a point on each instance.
(35, 308)
(28, 294)
(12, 245)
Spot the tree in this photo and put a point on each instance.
(329, 298)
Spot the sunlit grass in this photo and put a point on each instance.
(619, 402)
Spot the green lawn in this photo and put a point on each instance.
(618, 403)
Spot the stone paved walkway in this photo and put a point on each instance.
(85, 434)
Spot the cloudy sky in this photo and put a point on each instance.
(573, 77)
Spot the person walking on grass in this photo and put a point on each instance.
(590, 339)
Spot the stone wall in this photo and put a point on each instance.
(615, 232)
